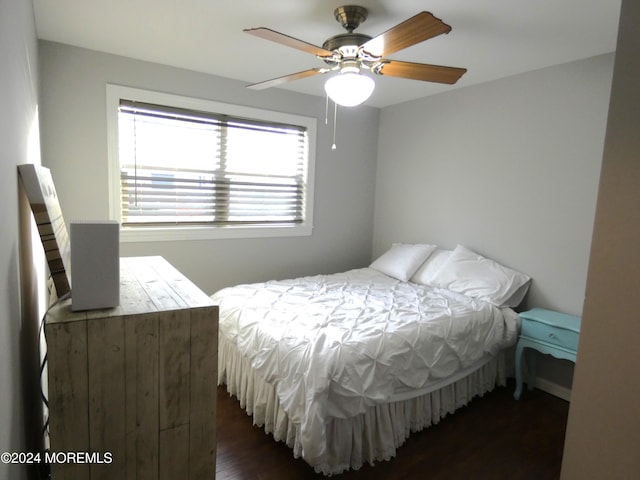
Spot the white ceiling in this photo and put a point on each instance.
(491, 38)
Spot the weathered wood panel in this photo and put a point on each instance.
(142, 436)
(105, 353)
(174, 453)
(68, 395)
(137, 381)
(175, 364)
(204, 361)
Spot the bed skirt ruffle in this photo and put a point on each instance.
(367, 438)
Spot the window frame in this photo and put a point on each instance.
(201, 232)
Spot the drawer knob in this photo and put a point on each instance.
(551, 335)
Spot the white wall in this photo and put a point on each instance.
(603, 430)
(74, 145)
(18, 303)
(509, 168)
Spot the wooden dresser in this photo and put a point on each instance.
(133, 388)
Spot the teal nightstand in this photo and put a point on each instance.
(547, 332)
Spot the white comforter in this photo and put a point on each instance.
(335, 344)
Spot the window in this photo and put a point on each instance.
(188, 168)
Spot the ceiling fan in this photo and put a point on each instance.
(353, 54)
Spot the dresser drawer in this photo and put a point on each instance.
(550, 334)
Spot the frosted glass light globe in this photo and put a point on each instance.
(349, 89)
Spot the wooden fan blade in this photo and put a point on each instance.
(420, 71)
(416, 29)
(287, 78)
(283, 39)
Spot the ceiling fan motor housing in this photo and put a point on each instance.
(345, 40)
(350, 16)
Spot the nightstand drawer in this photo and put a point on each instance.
(550, 334)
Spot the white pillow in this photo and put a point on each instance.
(473, 275)
(517, 296)
(426, 273)
(402, 260)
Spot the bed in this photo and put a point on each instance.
(343, 367)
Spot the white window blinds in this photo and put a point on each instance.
(182, 167)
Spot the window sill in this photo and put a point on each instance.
(159, 234)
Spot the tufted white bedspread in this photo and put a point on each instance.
(333, 345)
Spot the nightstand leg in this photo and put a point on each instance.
(531, 364)
(518, 392)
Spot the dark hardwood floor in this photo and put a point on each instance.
(494, 437)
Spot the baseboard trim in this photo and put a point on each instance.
(553, 389)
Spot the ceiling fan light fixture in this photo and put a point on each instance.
(351, 52)
(349, 88)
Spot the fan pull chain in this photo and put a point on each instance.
(335, 121)
(326, 112)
